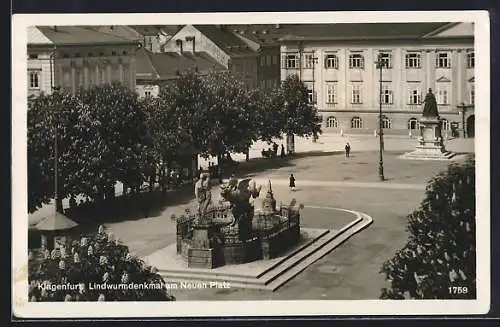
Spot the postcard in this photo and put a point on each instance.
(242, 164)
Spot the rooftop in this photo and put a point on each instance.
(76, 35)
(166, 65)
(358, 31)
(225, 39)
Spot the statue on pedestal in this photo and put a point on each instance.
(202, 193)
(430, 105)
(430, 141)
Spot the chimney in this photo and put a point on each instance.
(55, 28)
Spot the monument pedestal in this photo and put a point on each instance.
(430, 145)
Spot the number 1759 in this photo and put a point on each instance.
(458, 290)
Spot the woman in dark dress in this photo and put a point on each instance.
(292, 182)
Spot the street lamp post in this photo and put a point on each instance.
(463, 107)
(380, 64)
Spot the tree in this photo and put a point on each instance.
(229, 120)
(63, 111)
(96, 259)
(301, 116)
(267, 106)
(118, 149)
(439, 260)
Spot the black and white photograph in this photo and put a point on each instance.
(310, 163)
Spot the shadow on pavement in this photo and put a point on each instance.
(256, 165)
(130, 207)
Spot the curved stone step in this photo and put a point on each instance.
(286, 269)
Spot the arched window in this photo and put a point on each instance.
(356, 122)
(445, 124)
(386, 122)
(413, 123)
(332, 122)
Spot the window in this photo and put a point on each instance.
(311, 95)
(332, 122)
(292, 61)
(308, 60)
(414, 96)
(413, 124)
(445, 124)
(33, 56)
(412, 60)
(386, 95)
(331, 61)
(470, 59)
(356, 60)
(356, 94)
(472, 95)
(385, 57)
(147, 94)
(443, 60)
(356, 122)
(443, 96)
(386, 122)
(262, 61)
(330, 93)
(34, 79)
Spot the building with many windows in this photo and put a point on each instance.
(337, 62)
(75, 57)
(250, 51)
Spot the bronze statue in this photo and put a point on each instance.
(203, 194)
(430, 105)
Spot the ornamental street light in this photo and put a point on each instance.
(463, 107)
(380, 65)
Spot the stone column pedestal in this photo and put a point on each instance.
(430, 142)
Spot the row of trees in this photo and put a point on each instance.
(107, 134)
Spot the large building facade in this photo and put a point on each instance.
(73, 57)
(338, 65)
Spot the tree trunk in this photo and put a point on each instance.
(162, 176)
(290, 143)
(247, 155)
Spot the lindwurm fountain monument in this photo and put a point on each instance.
(240, 228)
(246, 240)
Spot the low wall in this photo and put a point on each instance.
(242, 252)
(275, 244)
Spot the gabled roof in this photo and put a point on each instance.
(76, 35)
(150, 65)
(225, 39)
(358, 31)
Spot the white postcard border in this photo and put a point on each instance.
(24, 309)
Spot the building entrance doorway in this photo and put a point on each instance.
(470, 126)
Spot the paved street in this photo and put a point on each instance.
(323, 179)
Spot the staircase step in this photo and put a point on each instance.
(286, 269)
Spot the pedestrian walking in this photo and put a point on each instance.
(282, 151)
(347, 149)
(292, 183)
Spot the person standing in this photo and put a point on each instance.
(347, 149)
(292, 183)
(282, 151)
